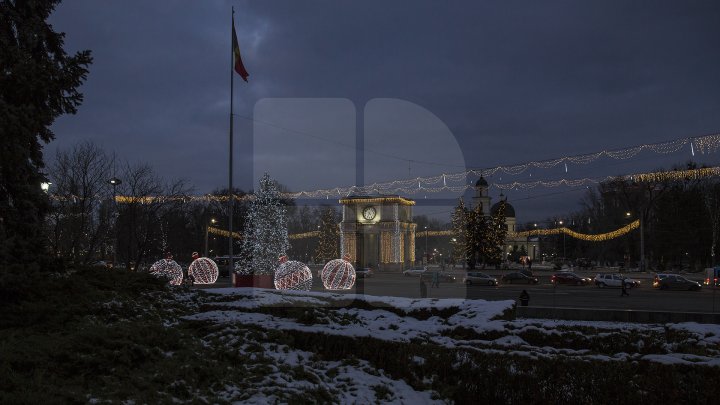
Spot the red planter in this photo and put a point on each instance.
(257, 281)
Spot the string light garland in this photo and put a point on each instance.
(516, 185)
(425, 184)
(338, 274)
(591, 238)
(542, 232)
(305, 235)
(293, 275)
(222, 232)
(203, 270)
(168, 268)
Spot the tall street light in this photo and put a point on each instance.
(426, 251)
(452, 253)
(564, 258)
(114, 182)
(207, 230)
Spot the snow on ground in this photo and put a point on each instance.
(470, 324)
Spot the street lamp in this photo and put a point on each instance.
(207, 230)
(114, 182)
(452, 253)
(426, 250)
(564, 258)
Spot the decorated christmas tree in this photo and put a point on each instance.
(329, 239)
(266, 236)
(496, 235)
(459, 239)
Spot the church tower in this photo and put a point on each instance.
(481, 196)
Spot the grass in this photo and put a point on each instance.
(114, 336)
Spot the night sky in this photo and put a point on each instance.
(430, 87)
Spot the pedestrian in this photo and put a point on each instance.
(423, 288)
(529, 261)
(524, 298)
(623, 291)
(436, 280)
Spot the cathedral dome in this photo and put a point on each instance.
(509, 210)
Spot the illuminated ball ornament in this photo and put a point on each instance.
(292, 275)
(168, 268)
(338, 274)
(203, 271)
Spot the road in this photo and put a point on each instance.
(544, 293)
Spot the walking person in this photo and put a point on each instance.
(623, 291)
(423, 288)
(524, 298)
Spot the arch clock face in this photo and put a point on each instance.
(369, 213)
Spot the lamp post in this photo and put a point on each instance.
(452, 253)
(114, 182)
(564, 258)
(426, 251)
(207, 230)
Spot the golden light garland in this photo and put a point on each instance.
(523, 234)
(311, 234)
(381, 200)
(223, 232)
(591, 238)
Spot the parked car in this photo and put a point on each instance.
(223, 263)
(364, 273)
(712, 276)
(415, 271)
(569, 278)
(615, 280)
(657, 278)
(677, 282)
(584, 263)
(519, 278)
(479, 278)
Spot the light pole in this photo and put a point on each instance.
(207, 230)
(564, 258)
(114, 182)
(452, 253)
(426, 251)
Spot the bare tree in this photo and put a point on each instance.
(79, 223)
(146, 201)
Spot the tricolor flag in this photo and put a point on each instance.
(239, 67)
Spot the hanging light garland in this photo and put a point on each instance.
(443, 182)
(582, 236)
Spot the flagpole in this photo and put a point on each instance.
(231, 269)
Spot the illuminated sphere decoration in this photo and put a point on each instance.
(338, 274)
(292, 275)
(204, 270)
(168, 268)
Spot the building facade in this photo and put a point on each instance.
(378, 232)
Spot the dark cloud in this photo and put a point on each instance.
(513, 81)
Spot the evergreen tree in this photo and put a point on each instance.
(38, 83)
(459, 239)
(497, 231)
(329, 239)
(477, 236)
(266, 237)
